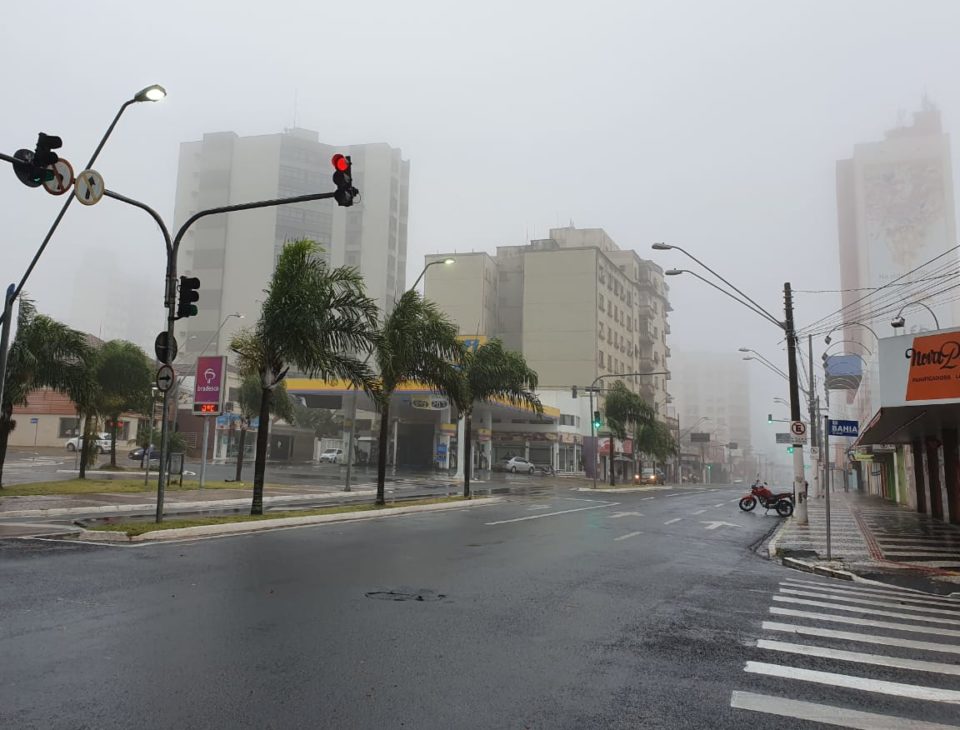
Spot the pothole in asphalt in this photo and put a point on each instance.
(423, 595)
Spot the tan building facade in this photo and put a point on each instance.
(575, 304)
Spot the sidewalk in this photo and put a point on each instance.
(875, 539)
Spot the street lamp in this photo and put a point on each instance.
(851, 342)
(351, 437)
(150, 93)
(828, 339)
(899, 321)
(761, 358)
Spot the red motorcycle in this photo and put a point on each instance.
(782, 502)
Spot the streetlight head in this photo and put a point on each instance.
(661, 247)
(673, 272)
(449, 261)
(827, 339)
(898, 322)
(748, 357)
(237, 315)
(743, 349)
(154, 92)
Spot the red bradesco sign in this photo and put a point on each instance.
(209, 385)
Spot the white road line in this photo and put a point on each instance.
(827, 714)
(678, 494)
(629, 534)
(865, 684)
(552, 514)
(862, 638)
(699, 512)
(646, 498)
(935, 630)
(856, 656)
(871, 611)
(869, 602)
(616, 515)
(905, 594)
(898, 549)
(718, 505)
(736, 499)
(675, 519)
(539, 506)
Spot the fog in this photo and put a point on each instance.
(714, 126)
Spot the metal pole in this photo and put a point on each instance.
(203, 451)
(5, 337)
(814, 421)
(800, 497)
(351, 435)
(593, 438)
(826, 436)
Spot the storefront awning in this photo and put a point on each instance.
(903, 424)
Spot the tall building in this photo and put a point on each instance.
(575, 304)
(234, 255)
(712, 395)
(895, 211)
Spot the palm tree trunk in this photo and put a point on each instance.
(243, 438)
(113, 442)
(382, 455)
(84, 447)
(6, 426)
(612, 464)
(467, 459)
(260, 465)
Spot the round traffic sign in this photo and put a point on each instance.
(62, 178)
(89, 187)
(165, 348)
(164, 378)
(798, 428)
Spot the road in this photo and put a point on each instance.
(569, 609)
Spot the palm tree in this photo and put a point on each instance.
(312, 316)
(417, 343)
(625, 411)
(124, 376)
(44, 354)
(494, 373)
(249, 401)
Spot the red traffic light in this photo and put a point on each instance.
(340, 163)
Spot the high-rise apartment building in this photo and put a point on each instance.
(234, 255)
(575, 304)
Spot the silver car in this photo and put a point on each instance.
(102, 444)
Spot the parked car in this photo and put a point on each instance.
(137, 454)
(102, 444)
(331, 456)
(517, 463)
(649, 475)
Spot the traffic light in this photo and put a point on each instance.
(597, 421)
(343, 179)
(189, 294)
(789, 449)
(33, 168)
(769, 418)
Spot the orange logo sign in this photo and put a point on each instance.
(934, 367)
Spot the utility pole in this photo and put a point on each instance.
(799, 493)
(814, 421)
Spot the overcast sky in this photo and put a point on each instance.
(712, 125)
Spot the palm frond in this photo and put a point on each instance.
(495, 373)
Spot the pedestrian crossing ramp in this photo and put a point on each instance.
(857, 656)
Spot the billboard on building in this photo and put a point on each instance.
(843, 372)
(920, 369)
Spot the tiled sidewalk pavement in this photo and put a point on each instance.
(871, 535)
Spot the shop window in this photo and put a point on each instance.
(69, 427)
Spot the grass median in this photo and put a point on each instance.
(109, 486)
(132, 529)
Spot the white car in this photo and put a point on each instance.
(331, 456)
(102, 444)
(517, 463)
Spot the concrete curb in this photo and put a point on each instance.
(772, 544)
(824, 570)
(171, 506)
(240, 528)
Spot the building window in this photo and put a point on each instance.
(601, 302)
(69, 427)
(600, 358)
(600, 324)
(569, 420)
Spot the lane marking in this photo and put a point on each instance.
(865, 684)
(860, 658)
(870, 611)
(539, 506)
(714, 524)
(827, 714)
(861, 638)
(552, 514)
(903, 594)
(935, 630)
(629, 534)
(615, 515)
(718, 505)
(736, 499)
(699, 512)
(869, 602)
(675, 519)
(646, 498)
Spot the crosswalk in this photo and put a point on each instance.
(855, 655)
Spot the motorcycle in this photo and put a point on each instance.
(782, 502)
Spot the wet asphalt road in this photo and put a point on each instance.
(550, 611)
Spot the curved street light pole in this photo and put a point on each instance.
(867, 327)
(899, 321)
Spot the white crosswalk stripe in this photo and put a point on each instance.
(879, 674)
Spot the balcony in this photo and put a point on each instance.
(646, 332)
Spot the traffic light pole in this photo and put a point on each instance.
(170, 294)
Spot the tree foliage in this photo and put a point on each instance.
(311, 318)
(124, 378)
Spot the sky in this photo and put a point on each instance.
(715, 126)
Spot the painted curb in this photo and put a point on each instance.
(170, 506)
(823, 570)
(240, 528)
